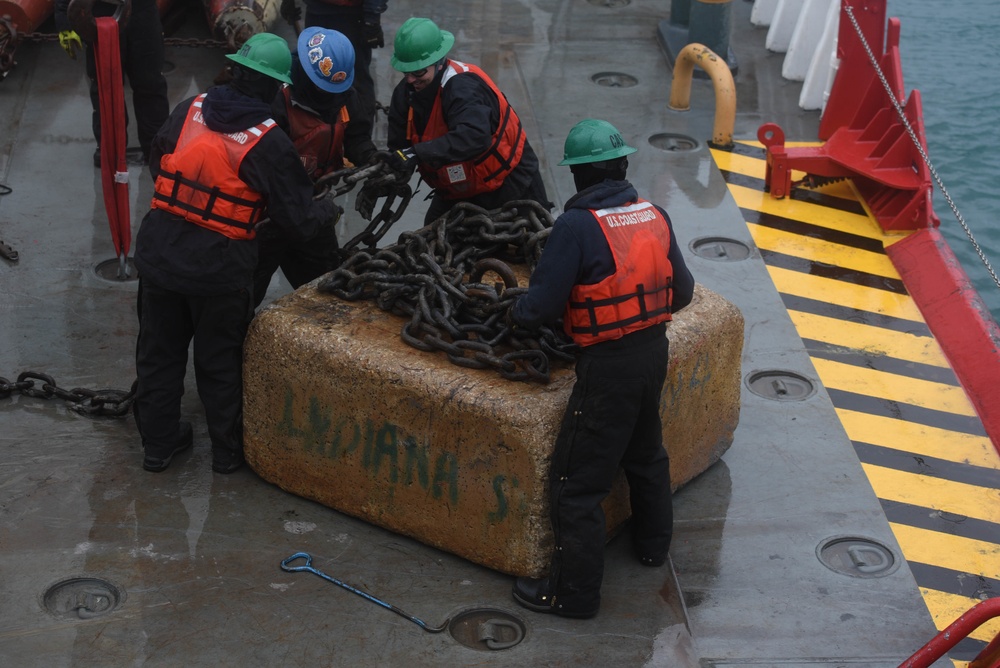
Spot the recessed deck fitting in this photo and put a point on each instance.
(487, 629)
(614, 79)
(857, 557)
(610, 3)
(673, 142)
(109, 270)
(780, 385)
(720, 249)
(82, 598)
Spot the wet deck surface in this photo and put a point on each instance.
(195, 555)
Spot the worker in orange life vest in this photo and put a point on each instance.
(613, 270)
(220, 165)
(323, 115)
(450, 121)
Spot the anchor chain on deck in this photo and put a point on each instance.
(434, 276)
(92, 403)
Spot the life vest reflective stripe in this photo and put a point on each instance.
(486, 172)
(639, 293)
(200, 180)
(320, 145)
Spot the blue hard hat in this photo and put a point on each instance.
(327, 57)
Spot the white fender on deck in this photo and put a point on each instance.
(824, 63)
(805, 38)
(786, 17)
(763, 12)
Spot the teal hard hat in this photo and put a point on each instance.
(265, 53)
(419, 43)
(593, 140)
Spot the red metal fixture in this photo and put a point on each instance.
(17, 18)
(866, 140)
(958, 631)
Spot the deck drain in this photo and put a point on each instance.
(780, 385)
(487, 629)
(720, 249)
(82, 598)
(676, 143)
(610, 3)
(857, 557)
(109, 270)
(614, 79)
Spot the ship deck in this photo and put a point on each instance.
(881, 452)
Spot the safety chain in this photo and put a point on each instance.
(92, 403)
(916, 142)
(167, 41)
(423, 276)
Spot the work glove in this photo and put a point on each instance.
(290, 11)
(403, 161)
(364, 203)
(371, 31)
(70, 42)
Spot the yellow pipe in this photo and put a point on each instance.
(722, 80)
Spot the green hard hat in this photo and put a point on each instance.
(592, 140)
(419, 43)
(266, 53)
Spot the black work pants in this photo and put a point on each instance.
(142, 58)
(300, 261)
(612, 420)
(168, 321)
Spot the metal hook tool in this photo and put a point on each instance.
(286, 566)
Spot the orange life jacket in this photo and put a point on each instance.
(639, 293)
(486, 172)
(213, 196)
(320, 145)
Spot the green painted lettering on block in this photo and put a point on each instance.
(337, 441)
(366, 454)
(500, 513)
(446, 473)
(319, 426)
(416, 456)
(385, 446)
(286, 426)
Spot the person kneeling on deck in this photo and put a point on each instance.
(322, 114)
(220, 164)
(450, 121)
(614, 271)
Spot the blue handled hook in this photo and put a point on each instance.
(286, 566)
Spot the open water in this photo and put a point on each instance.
(950, 52)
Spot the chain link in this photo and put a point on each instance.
(433, 276)
(92, 403)
(916, 142)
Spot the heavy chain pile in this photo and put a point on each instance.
(434, 276)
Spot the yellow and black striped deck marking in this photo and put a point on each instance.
(916, 435)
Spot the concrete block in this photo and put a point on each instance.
(338, 409)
